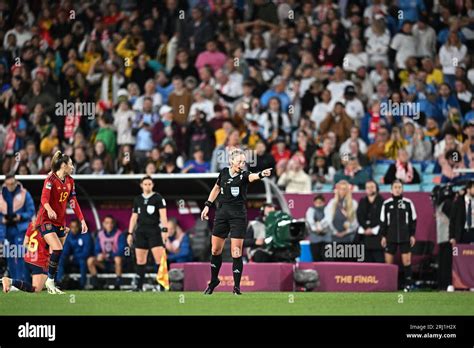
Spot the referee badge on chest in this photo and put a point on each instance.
(150, 209)
(234, 190)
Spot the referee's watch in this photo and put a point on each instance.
(260, 175)
(208, 204)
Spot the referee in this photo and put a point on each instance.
(231, 216)
(149, 209)
(397, 228)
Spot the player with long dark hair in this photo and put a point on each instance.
(231, 216)
(58, 191)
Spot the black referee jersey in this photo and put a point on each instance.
(398, 219)
(147, 208)
(233, 188)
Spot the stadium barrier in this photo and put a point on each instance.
(333, 276)
(463, 266)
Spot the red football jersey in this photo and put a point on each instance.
(37, 250)
(58, 194)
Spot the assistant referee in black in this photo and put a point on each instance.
(149, 210)
(231, 216)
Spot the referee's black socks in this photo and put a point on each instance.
(141, 276)
(237, 267)
(216, 262)
(407, 272)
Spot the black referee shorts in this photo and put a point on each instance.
(230, 219)
(404, 248)
(148, 238)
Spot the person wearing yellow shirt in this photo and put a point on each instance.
(49, 142)
(395, 143)
(129, 51)
(433, 75)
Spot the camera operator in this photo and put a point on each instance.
(443, 198)
(16, 211)
(255, 236)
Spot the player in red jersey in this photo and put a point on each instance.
(58, 191)
(36, 260)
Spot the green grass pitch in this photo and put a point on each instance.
(223, 303)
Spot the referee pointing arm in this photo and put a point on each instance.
(149, 209)
(231, 216)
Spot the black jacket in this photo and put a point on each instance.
(398, 219)
(457, 218)
(368, 216)
(390, 176)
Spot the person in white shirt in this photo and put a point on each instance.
(355, 58)
(322, 108)
(354, 107)
(425, 37)
(123, 120)
(21, 34)
(150, 89)
(377, 38)
(452, 54)
(201, 104)
(274, 122)
(257, 48)
(227, 89)
(355, 136)
(377, 8)
(405, 44)
(338, 84)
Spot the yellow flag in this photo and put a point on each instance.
(162, 275)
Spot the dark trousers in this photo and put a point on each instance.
(445, 259)
(374, 255)
(317, 251)
(467, 236)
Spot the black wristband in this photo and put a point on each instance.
(164, 229)
(129, 232)
(208, 204)
(260, 175)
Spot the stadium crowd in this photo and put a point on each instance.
(320, 90)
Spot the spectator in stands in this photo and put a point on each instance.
(261, 159)
(338, 122)
(340, 214)
(402, 170)
(106, 134)
(77, 248)
(395, 144)
(321, 171)
(319, 232)
(178, 245)
(368, 217)
(180, 101)
(49, 142)
(198, 164)
(352, 172)
(420, 148)
(149, 94)
(98, 167)
(354, 136)
(294, 179)
(109, 251)
(107, 161)
(452, 51)
(123, 120)
(81, 164)
(277, 91)
(404, 43)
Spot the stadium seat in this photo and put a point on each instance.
(381, 169)
(412, 188)
(429, 178)
(427, 187)
(418, 167)
(429, 167)
(385, 188)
